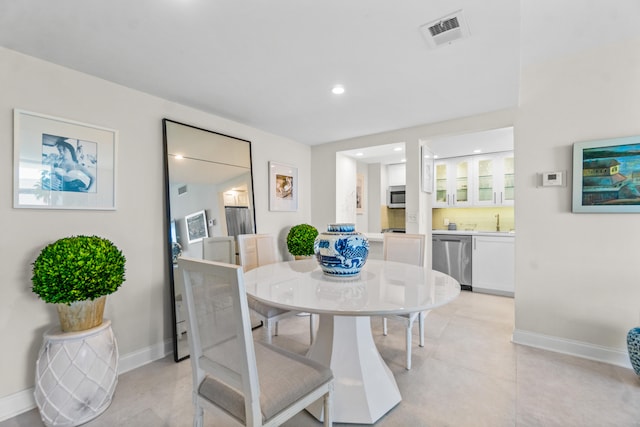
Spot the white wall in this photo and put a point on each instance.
(577, 280)
(140, 309)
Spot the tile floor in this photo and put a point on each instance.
(468, 374)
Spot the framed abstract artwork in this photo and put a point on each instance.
(606, 175)
(283, 187)
(62, 164)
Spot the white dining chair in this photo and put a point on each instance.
(219, 249)
(256, 383)
(408, 249)
(256, 250)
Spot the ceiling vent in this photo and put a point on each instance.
(182, 190)
(445, 30)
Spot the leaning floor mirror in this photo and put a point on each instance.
(209, 201)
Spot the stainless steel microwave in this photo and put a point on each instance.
(395, 196)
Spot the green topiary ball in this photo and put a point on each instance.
(77, 268)
(300, 239)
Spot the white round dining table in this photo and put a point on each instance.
(365, 388)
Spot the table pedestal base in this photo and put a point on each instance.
(365, 388)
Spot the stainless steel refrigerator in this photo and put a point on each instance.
(239, 220)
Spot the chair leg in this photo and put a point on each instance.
(421, 317)
(328, 416)
(384, 326)
(408, 338)
(312, 328)
(198, 416)
(267, 331)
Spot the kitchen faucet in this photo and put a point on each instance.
(497, 222)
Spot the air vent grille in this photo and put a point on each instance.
(443, 26)
(445, 30)
(182, 190)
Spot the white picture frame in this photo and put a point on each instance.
(606, 176)
(196, 226)
(283, 187)
(360, 195)
(427, 165)
(62, 164)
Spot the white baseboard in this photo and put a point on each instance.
(585, 350)
(23, 401)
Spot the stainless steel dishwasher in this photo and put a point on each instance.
(451, 254)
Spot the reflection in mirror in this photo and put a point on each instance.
(209, 201)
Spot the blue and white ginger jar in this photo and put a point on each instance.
(633, 345)
(341, 251)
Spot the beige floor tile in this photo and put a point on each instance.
(468, 374)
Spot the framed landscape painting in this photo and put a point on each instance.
(606, 175)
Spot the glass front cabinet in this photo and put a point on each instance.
(494, 180)
(452, 179)
(482, 180)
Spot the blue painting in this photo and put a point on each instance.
(608, 179)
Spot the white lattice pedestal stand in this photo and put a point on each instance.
(76, 375)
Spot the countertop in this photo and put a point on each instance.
(378, 237)
(474, 233)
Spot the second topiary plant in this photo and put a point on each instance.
(300, 240)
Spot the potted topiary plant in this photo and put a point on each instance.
(77, 273)
(300, 240)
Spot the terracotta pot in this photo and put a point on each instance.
(81, 315)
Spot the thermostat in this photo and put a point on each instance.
(552, 179)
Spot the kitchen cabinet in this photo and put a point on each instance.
(236, 198)
(452, 180)
(493, 266)
(469, 181)
(396, 174)
(493, 180)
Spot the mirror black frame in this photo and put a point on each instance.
(168, 219)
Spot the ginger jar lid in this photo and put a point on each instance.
(341, 228)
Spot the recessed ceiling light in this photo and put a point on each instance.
(338, 89)
(360, 154)
(403, 160)
(477, 151)
(179, 157)
(397, 149)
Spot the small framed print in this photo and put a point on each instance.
(360, 194)
(283, 187)
(62, 164)
(196, 226)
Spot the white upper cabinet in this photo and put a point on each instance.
(453, 182)
(483, 180)
(396, 174)
(494, 180)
